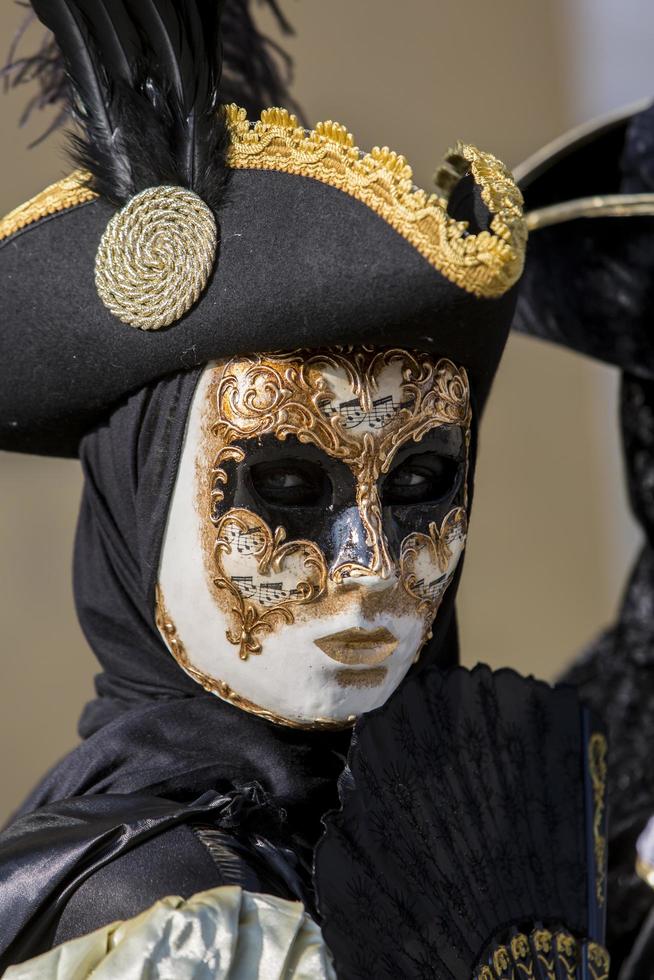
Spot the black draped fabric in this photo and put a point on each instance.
(129, 467)
(157, 750)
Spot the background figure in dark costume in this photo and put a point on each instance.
(615, 674)
(589, 284)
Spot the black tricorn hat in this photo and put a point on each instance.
(218, 236)
(588, 282)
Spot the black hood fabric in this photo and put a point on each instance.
(129, 464)
(152, 733)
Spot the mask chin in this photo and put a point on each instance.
(304, 563)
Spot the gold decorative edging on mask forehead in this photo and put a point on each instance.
(287, 394)
(168, 630)
(485, 264)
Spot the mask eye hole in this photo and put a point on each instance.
(290, 483)
(420, 479)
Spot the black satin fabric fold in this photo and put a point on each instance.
(184, 746)
(73, 839)
(152, 733)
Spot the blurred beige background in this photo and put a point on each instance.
(550, 536)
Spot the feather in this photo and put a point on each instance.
(187, 52)
(65, 20)
(145, 76)
(256, 70)
(95, 69)
(117, 38)
(161, 23)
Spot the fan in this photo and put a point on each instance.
(471, 839)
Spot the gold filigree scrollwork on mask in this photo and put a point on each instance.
(335, 400)
(426, 560)
(282, 574)
(219, 475)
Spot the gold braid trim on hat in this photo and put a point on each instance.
(486, 264)
(65, 194)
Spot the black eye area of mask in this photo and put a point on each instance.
(291, 483)
(418, 479)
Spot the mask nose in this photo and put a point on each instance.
(353, 555)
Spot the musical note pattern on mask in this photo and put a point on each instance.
(251, 542)
(265, 593)
(266, 575)
(428, 561)
(354, 416)
(248, 541)
(432, 591)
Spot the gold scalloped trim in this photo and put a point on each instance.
(486, 264)
(65, 194)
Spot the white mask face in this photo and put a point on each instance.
(318, 517)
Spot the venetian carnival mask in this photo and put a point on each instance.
(318, 517)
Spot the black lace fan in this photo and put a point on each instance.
(471, 837)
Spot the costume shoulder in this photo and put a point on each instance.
(110, 857)
(175, 862)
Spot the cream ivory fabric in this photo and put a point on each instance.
(221, 934)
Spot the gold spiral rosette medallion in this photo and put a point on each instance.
(156, 256)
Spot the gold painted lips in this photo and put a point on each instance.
(359, 646)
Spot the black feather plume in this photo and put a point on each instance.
(144, 76)
(256, 71)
